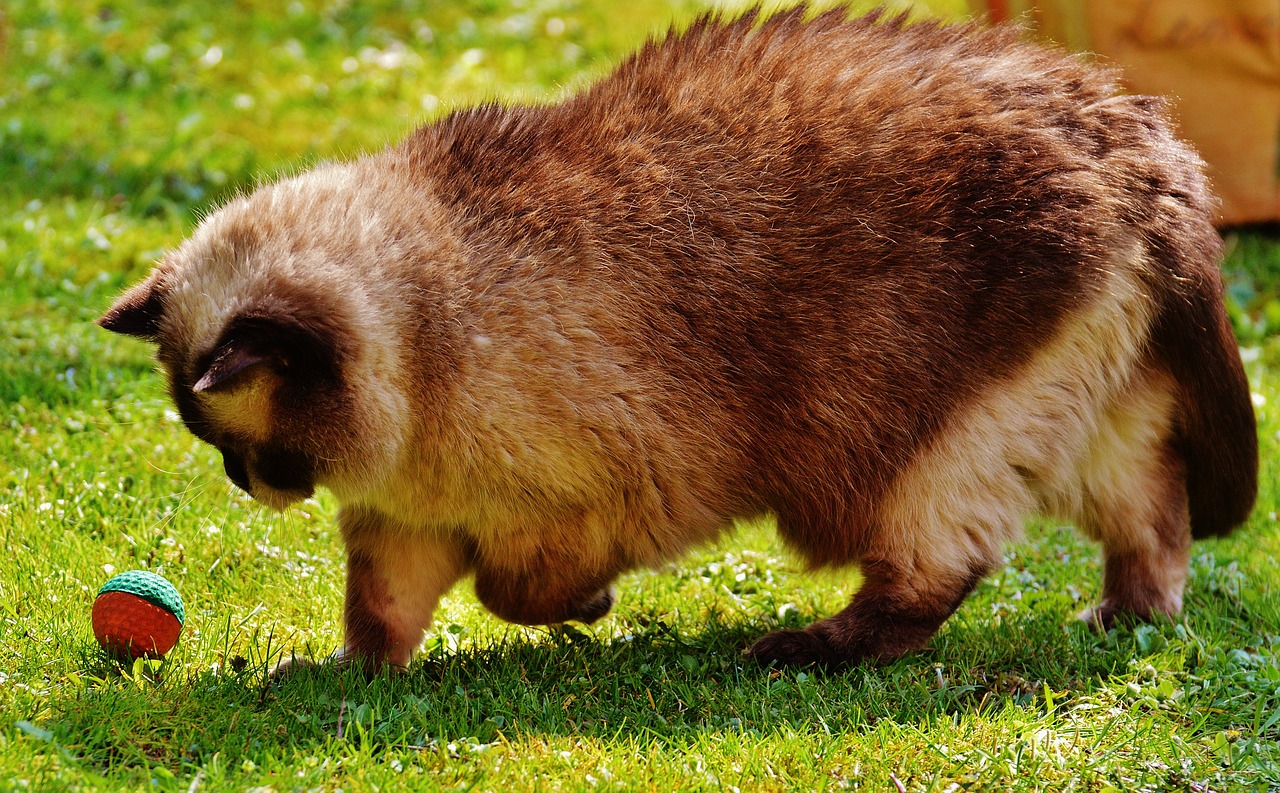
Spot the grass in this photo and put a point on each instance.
(119, 124)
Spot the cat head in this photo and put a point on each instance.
(277, 344)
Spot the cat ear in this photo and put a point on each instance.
(259, 338)
(230, 360)
(137, 312)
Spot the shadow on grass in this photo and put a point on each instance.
(658, 685)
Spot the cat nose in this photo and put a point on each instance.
(233, 464)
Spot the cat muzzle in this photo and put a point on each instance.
(234, 466)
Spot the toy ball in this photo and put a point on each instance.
(137, 614)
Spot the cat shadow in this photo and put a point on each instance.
(662, 684)
(668, 684)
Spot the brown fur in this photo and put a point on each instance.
(898, 285)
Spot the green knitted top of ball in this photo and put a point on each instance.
(151, 587)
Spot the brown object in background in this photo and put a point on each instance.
(1218, 60)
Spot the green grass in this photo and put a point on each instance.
(119, 124)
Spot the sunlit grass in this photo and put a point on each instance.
(119, 125)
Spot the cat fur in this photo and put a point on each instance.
(898, 286)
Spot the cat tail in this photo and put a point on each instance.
(1216, 430)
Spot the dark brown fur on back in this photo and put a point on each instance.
(897, 285)
(973, 199)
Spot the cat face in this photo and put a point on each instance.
(270, 355)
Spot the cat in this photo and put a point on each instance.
(898, 286)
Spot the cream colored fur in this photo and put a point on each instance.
(1062, 435)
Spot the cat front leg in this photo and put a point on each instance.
(530, 598)
(395, 578)
(559, 572)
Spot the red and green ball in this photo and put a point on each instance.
(137, 614)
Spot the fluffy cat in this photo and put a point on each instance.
(897, 285)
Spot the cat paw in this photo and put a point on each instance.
(596, 607)
(1100, 617)
(794, 648)
(340, 659)
(1109, 614)
(289, 666)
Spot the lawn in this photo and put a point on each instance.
(120, 123)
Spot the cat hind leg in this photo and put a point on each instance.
(894, 612)
(1135, 503)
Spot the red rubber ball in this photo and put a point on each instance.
(129, 619)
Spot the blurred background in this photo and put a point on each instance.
(1217, 60)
